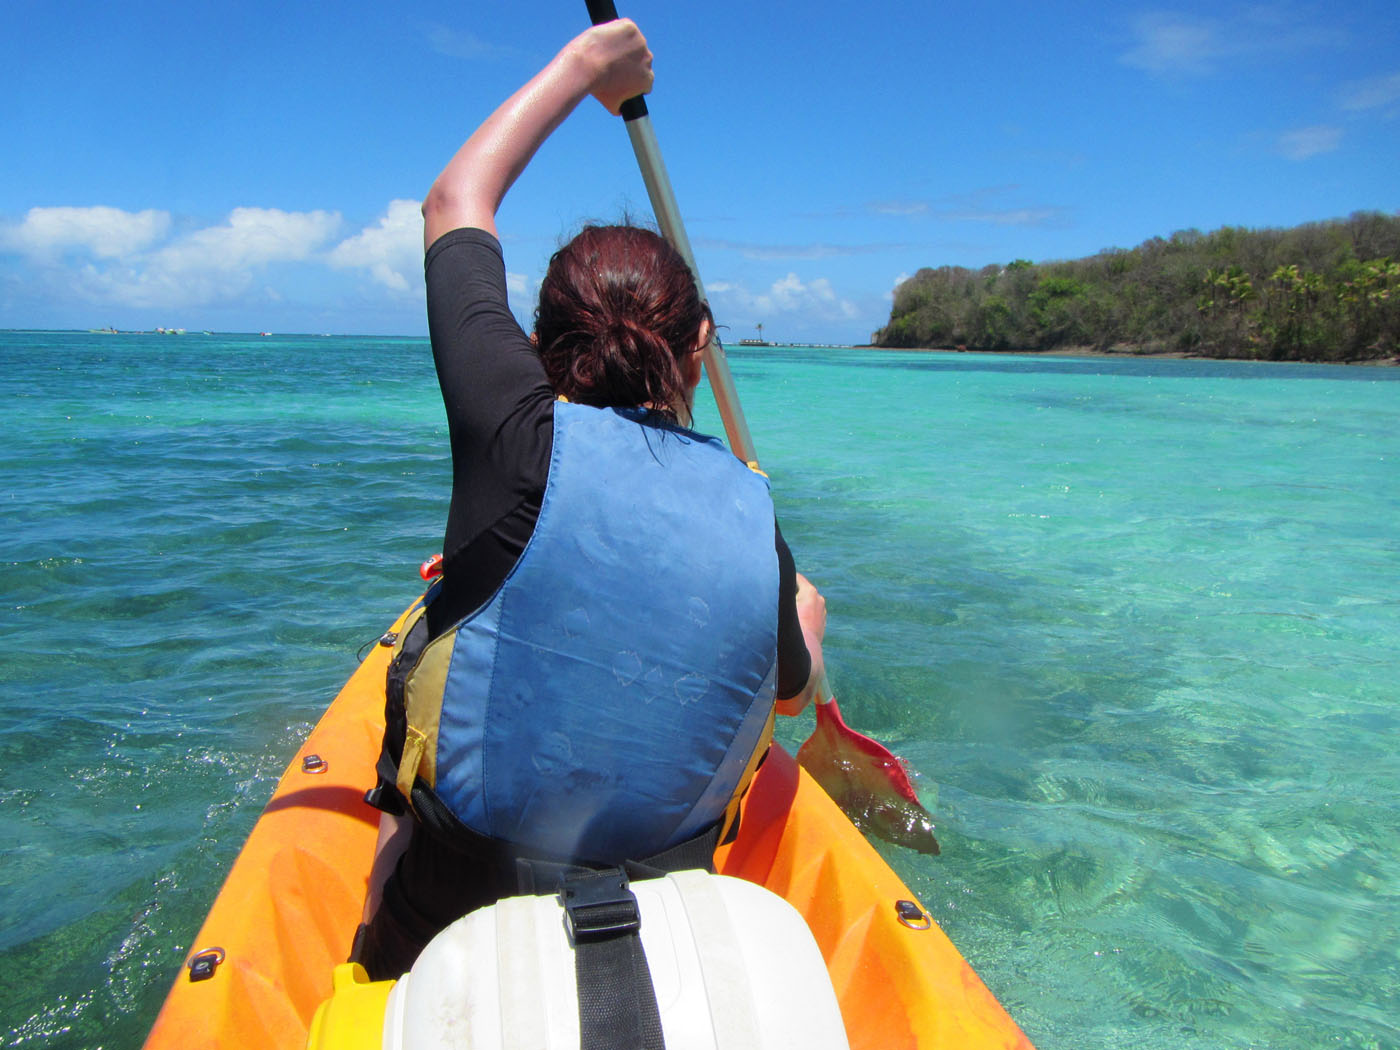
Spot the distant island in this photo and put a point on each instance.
(1325, 291)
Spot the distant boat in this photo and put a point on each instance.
(755, 342)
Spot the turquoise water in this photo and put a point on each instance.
(1135, 624)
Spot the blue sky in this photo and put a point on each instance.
(258, 166)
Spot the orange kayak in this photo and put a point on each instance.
(262, 962)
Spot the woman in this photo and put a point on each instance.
(618, 616)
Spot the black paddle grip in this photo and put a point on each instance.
(600, 11)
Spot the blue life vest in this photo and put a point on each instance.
(612, 698)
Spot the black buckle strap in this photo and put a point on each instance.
(616, 999)
(599, 905)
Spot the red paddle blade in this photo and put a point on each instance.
(878, 759)
(867, 781)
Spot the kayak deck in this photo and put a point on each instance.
(289, 908)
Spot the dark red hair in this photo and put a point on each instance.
(618, 312)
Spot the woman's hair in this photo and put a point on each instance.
(618, 312)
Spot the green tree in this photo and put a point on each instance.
(1319, 291)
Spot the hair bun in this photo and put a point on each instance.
(618, 310)
(628, 337)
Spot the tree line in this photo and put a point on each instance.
(1325, 291)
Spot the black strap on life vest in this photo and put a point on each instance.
(616, 999)
(385, 795)
(512, 869)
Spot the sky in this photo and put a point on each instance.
(258, 167)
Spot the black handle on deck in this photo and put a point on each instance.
(601, 11)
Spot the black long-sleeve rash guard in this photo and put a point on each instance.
(500, 417)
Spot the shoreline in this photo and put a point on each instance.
(1089, 351)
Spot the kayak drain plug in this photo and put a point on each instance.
(314, 764)
(203, 964)
(912, 915)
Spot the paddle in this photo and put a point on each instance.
(867, 781)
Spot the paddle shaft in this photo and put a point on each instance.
(668, 217)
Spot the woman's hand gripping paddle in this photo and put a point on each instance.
(864, 778)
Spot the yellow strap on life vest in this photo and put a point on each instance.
(415, 743)
(731, 810)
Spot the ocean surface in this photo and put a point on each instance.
(1135, 624)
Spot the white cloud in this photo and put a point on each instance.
(982, 205)
(391, 250)
(458, 43)
(1174, 43)
(770, 252)
(1373, 93)
(150, 262)
(813, 300)
(1009, 216)
(1302, 143)
(899, 207)
(108, 233)
(217, 263)
(251, 237)
(122, 260)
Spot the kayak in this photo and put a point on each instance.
(263, 960)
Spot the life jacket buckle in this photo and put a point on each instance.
(599, 905)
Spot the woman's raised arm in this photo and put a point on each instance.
(610, 62)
